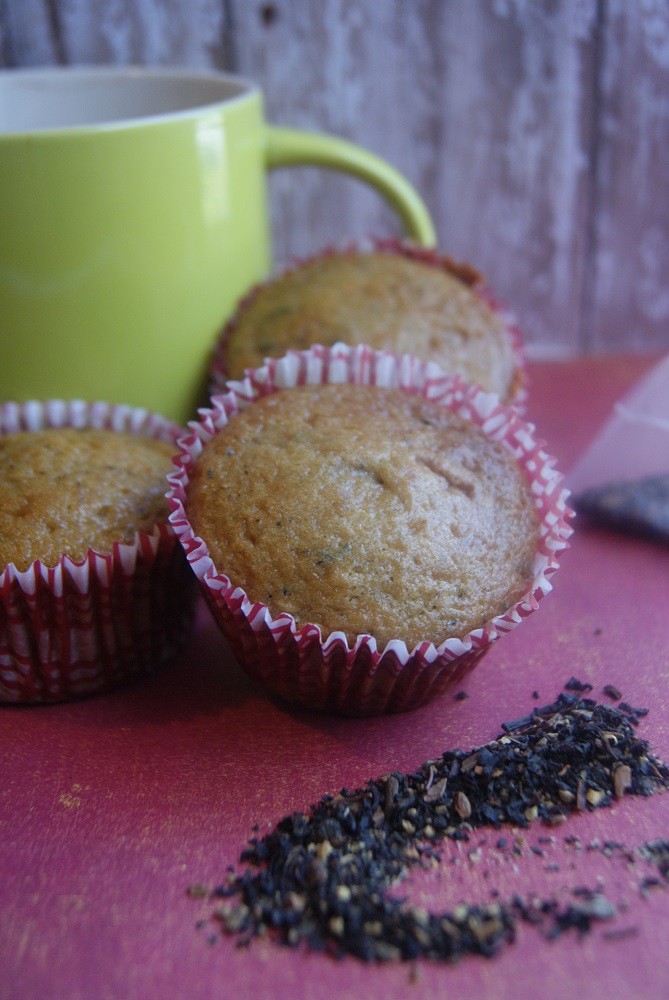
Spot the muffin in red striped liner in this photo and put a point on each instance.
(389, 294)
(333, 669)
(80, 623)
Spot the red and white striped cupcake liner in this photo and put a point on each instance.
(326, 672)
(219, 375)
(81, 627)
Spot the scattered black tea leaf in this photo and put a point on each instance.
(620, 933)
(657, 852)
(321, 877)
(579, 686)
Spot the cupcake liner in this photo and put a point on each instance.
(326, 672)
(81, 627)
(219, 375)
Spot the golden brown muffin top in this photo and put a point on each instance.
(386, 300)
(365, 510)
(64, 491)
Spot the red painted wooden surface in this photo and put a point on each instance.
(110, 808)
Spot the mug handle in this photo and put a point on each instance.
(286, 147)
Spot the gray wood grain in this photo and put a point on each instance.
(28, 33)
(484, 107)
(628, 258)
(536, 130)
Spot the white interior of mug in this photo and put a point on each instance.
(75, 97)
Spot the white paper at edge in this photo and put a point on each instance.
(634, 441)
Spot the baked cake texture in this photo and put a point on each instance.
(386, 300)
(65, 490)
(365, 510)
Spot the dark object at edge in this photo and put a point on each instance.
(640, 507)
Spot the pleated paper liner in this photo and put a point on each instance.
(81, 627)
(219, 371)
(326, 672)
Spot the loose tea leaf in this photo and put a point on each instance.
(322, 877)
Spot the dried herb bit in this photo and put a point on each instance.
(622, 779)
(580, 915)
(657, 851)
(321, 878)
(462, 805)
(612, 692)
(198, 891)
(578, 686)
(634, 714)
(620, 933)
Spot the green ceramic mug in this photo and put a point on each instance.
(133, 215)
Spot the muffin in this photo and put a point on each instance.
(94, 588)
(364, 526)
(395, 297)
(64, 490)
(366, 510)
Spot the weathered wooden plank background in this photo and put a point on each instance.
(536, 130)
